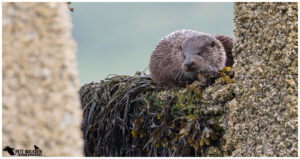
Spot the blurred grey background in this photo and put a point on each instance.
(118, 38)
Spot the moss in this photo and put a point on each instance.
(185, 101)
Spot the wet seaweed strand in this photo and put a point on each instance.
(131, 116)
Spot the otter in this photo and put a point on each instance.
(180, 56)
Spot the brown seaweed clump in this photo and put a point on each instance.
(130, 116)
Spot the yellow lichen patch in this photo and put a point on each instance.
(230, 81)
(190, 141)
(152, 85)
(206, 140)
(191, 117)
(188, 86)
(195, 87)
(224, 79)
(226, 69)
(134, 133)
(157, 144)
(173, 125)
(199, 76)
(222, 74)
(202, 142)
(135, 121)
(142, 135)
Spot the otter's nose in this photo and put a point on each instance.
(189, 64)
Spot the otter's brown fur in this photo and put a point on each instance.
(182, 55)
(227, 43)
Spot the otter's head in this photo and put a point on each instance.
(202, 54)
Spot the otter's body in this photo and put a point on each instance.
(182, 55)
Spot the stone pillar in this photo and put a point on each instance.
(40, 81)
(263, 116)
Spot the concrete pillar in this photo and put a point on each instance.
(40, 82)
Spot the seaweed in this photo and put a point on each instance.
(131, 116)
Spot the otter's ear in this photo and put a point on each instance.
(227, 43)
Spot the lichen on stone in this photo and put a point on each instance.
(262, 119)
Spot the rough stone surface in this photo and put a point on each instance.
(40, 81)
(263, 119)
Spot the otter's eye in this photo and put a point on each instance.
(200, 53)
(183, 56)
(212, 44)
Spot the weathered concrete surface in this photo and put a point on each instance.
(263, 116)
(40, 81)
